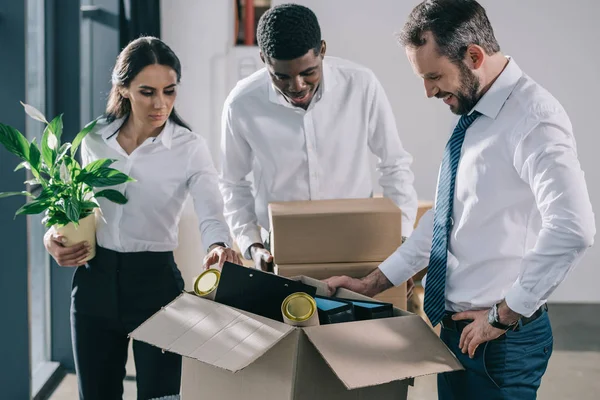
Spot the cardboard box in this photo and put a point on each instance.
(232, 354)
(395, 295)
(324, 231)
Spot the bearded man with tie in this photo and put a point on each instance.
(512, 214)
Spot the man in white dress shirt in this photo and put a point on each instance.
(512, 215)
(305, 127)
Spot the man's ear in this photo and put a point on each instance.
(323, 48)
(262, 57)
(475, 56)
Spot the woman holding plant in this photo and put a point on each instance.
(133, 273)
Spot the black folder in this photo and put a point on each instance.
(333, 310)
(256, 291)
(371, 309)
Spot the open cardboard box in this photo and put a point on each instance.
(233, 354)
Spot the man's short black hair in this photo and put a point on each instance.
(288, 31)
(454, 24)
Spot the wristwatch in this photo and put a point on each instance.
(494, 320)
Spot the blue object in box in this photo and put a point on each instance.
(333, 311)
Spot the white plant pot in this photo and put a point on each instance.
(85, 232)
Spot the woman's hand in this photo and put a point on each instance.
(72, 256)
(218, 254)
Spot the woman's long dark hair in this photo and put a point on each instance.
(136, 56)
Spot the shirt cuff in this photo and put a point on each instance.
(521, 301)
(393, 269)
(246, 240)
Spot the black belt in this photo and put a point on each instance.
(457, 326)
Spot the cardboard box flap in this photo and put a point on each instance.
(375, 352)
(210, 332)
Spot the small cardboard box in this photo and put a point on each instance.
(232, 354)
(324, 231)
(395, 295)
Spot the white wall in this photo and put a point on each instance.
(553, 41)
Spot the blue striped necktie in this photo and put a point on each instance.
(435, 286)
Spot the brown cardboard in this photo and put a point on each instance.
(324, 231)
(271, 360)
(395, 295)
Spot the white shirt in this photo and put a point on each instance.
(522, 214)
(318, 153)
(166, 169)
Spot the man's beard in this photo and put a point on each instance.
(468, 94)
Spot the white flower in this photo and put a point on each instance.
(52, 141)
(34, 113)
(64, 171)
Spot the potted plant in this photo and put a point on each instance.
(60, 187)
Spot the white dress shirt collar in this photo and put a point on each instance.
(493, 100)
(109, 133)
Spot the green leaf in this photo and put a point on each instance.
(63, 151)
(72, 209)
(34, 156)
(33, 207)
(87, 205)
(56, 126)
(33, 181)
(49, 152)
(77, 141)
(106, 177)
(47, 194)
(23, 164)
(8, 194)
(14, 142)
(96, 165)
(112, 195)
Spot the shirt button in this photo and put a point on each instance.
(527, 305)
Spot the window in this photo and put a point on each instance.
(39, 265)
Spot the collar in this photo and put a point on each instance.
(493, 100)
(109, 132)
(327, 84)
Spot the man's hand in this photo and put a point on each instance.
(71, 256)
(477, 332)
(355, 285)
(263, 260)
(372, 284)
(218, 255)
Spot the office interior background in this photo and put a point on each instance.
(57, 55)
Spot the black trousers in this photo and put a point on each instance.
(111, 296)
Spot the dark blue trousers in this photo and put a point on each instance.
(510, 367)
(111, 296)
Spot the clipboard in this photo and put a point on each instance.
(256, 291)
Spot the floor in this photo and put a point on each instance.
(573, 372)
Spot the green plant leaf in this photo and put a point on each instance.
(88, 205)
(33, 207)
(77, 141)
(103, 177)
(72, 209)
(8, 194)
(23, 164)
(14, 142)
(56, 126)
(34, 156)
(96, 165)
(48, 151)
(34, 113)
(113, 195)
(33, 181)
(63, 151)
